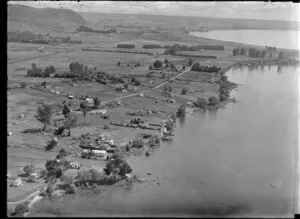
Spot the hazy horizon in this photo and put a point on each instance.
(280, 11)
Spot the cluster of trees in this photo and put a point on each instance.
(116, 168)
(171, 50)
(197, 67)
(181, 111)
(135, 82)
(168, 88)
(224, 90)
(25, 37)
(83, 28)
(270, 48)
(251, 52)
(202, 103)
(77, 68)
(126, 46)
(158, 64)
(104, 78)
(38, 72)
(151, 46)
(28, 37)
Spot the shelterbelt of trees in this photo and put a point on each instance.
(171, 50)
(28, 37)
(83, 28)
(256, 53)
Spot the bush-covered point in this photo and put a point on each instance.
(50, 144)
(184, 91)
(213, 101)
(117, 166)
(181, 110)
(157, 64)
(137, 143)
(201, 103)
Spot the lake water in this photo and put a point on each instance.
(278, 38)
(237, 161)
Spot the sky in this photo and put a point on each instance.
(247, 10)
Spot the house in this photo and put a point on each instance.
(100, 153)
(75, 165)
(17, 182)
(141, 95)
(109, 142)
(70, 97)
(89, 101)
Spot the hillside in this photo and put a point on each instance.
(42, 18)
(194, 23)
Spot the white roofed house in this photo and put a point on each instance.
(89, 101)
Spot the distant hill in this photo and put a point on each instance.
(194, 23)
(22, 16)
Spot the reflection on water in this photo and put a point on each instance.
(236, 161)
(279, 68)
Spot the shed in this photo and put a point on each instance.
(75, 165)
(100, 153)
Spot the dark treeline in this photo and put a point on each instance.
(270, 48)
(28, 37)
(38, 72)
(126, 46)
(25, 37)
(211, 69)
(83, 28)
(119, 51)
(176, 47)
(151, 46)
(251, 52)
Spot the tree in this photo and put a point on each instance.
(280, 55)
(137, 83)
(166, 61)
(96, 102)
(22, 84)
(181, 110)
(224, 78)
(21, 209)
(184, 91)
(61, 154)
(119, 63)
(234, 52)
(213, 101)
(33, 66)
(29, 169)
(222, 97)
(157, 64)
(117, 166)
(190, 62)
(83, 108)
(150, 67)
(65, 110)
(50, 144)
(125, 86)
(44, 114)
(53, 168)
(201, 103)
(75, 67)
(70, 122)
